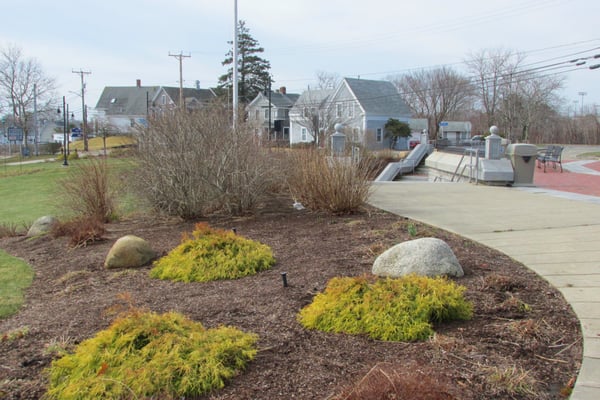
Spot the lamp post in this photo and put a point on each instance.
(65, 112)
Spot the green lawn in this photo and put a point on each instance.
(27, 192)
(30, 191)
(15, 276)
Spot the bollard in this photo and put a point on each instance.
(284, 278)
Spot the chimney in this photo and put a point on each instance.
(282, 90)
(198, 84)
(138, 82)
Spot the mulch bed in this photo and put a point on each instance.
(524, 341)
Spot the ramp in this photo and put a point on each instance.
(408, 165)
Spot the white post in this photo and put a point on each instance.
(235, 63)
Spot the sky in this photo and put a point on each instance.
(119, 42)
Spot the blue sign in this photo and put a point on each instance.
(15, 133)
(76, 130)
(443, 123)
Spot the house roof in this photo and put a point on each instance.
(126, 100)
(134, 100)
(378, 97)
(278, 99)
(281, 100)
(314, 98)
(202, 95)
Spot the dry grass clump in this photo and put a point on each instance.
(384, 381)
(340, 185)
(147, 355)
(402, 309)
(211, 254)
(89, 190)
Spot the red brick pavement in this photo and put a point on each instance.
(569, 181)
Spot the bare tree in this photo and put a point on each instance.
(21, 80)
(493, 76)
(327, 80)
(436, 94)
(313, 113)
(530, 104)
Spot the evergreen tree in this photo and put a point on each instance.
(253, 71)
(395, 129)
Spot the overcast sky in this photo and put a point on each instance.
(121, 41)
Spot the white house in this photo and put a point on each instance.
(270, 112)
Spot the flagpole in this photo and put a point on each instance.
(235, 63)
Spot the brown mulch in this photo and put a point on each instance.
(524, 341)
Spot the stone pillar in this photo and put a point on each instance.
(493, 144)
(424, 137)
(338, 141)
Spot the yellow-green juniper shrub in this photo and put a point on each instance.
(144, 354)
(402, 309)
(211, 254)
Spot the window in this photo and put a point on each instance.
(339, 109)
(379, 135)
(303, 135)
(163, 99)
(308, 112)
(351, 110)
(257, 115)
(266, 113)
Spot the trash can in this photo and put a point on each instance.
(522, 157)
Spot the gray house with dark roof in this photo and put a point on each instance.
(272, 110)
(167, 98)
(366, 106)
(363, 106)
(124, 107)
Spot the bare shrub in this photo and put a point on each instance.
(193, 164)
(340, 185)
(82, 231)
(88, 190)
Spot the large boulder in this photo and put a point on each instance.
(426, 257)
(42, 226)
(129, 252)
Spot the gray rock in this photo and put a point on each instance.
(42, 226)
(426, 257)
(129, 252)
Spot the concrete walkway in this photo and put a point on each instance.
(553, 233)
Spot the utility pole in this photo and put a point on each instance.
(83, 108)
(180, 57)
(35, 121)
(582, 94)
